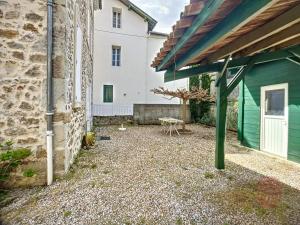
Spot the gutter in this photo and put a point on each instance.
(49, 114)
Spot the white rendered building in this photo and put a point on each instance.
(124, 48)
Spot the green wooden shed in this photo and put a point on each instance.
(269, 109)
(260, 40)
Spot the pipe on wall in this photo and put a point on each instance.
(49, 114)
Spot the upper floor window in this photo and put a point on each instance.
(116, 55)
(116, 18)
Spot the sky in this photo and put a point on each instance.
(166, 12)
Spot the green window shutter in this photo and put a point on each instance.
(108, 93)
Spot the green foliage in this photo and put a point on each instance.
(179, 221)
(15, 155)
(3, 194)
(209, 175)
(200, 109)
(208, 119)
(11, 159)
(194, 106)
(29, 173)
(67, 213)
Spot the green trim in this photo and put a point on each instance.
(210, 8)
(238, 77)
(170, 76)
(217, 67)
(245, 10)
(108, 93)
(221, 112)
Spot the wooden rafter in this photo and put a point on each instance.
(198, 22)
(244, 13)
(280, 23)
(279, 38)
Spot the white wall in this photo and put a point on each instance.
(133, 80)
(156, 79)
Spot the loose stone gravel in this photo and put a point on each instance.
(142, 176)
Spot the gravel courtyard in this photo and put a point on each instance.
(142, 176)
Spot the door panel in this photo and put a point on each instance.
(274, 117)
(274, 136)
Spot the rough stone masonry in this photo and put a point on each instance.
(23, 55)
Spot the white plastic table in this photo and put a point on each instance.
(169, 124)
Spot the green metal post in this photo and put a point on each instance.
(221, 123)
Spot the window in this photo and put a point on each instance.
(116, 18)
(116, 56)
(107, 93)
(275, 102)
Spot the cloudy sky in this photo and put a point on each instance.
(166, 12)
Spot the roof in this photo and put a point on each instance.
(151, 22)
(210, 30)
(158, 34)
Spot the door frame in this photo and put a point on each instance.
(263, 89)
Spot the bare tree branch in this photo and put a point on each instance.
(198, 94)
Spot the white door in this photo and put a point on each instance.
(274, 119)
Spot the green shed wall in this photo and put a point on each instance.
(277, 72)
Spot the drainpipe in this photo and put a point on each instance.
(49, 114)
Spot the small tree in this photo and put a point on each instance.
(198, 94)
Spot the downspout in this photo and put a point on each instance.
(49, 114)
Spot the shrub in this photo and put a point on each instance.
(208, 119)
(11, 159)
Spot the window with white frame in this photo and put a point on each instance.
(117, 13)
(116, 56)
(78, 65)
(89, 25)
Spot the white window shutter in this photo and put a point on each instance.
(78, 65)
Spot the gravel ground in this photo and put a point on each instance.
(141, 176)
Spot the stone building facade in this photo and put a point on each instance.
(23, 73)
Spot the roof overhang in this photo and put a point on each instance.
(151, 22)
(214, 29)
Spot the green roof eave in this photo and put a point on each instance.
(264, 57)
(247, 9)
(210, 8)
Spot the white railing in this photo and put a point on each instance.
(113, 109)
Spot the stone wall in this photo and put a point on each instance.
(77, 14)
(23, 40)
(150, 113)
(22, 75)
(111, 120)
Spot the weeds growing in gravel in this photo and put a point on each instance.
(209, 175)
(247, 198)
(67, 213)
(179, 221)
